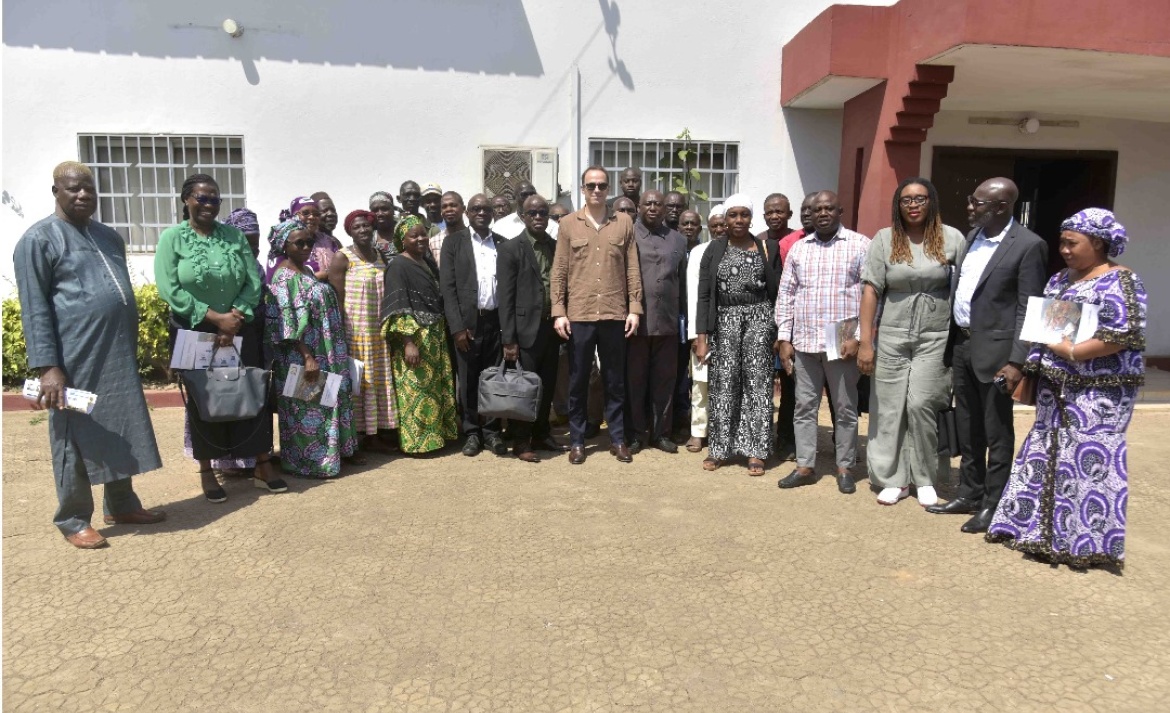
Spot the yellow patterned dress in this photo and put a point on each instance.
(376, 408)
(426, 393)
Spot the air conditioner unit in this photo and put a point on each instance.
(506, 167)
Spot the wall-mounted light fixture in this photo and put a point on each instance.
(232, 27)
(1029, 126)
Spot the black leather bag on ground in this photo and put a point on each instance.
(226, 393)
(948, 433)
(509, 393)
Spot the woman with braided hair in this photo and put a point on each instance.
(906, 289)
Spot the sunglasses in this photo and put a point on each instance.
(302, 244)
(208, 200)
(479, 209)
(597, 186)
(536, 213)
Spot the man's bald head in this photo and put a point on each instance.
(826, 214)
(990, 207)
(1003, 189)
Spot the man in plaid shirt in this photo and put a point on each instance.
(821, 284)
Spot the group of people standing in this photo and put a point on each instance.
(428, 295)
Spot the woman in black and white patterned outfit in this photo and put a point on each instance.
(737, 294)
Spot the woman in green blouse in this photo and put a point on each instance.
(206, 273)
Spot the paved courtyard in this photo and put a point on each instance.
(456, 584)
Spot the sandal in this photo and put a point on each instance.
(755, 467)
(711, 464)
(695, 444)
(216, 494)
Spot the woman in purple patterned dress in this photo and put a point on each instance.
(303, 326)
(1067, 496)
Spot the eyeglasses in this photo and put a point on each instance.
(597, 186)
(536, 213)
(479, 209)
(976, 203)
(302, 244)
(913, 200)
(208, 200)
(555, 218)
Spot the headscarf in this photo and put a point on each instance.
(1099, 223)
(243, 220)
(354, 215)
(278, 236)
(407, 222)
(739, 200)
(298, 204)
(717, 212)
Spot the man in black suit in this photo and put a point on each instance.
(1004, 264)
(467, 279)
(652, 353)
(524, 265)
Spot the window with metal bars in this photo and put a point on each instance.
(717, 164)
(138, 178)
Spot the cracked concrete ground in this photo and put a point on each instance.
(456, 584)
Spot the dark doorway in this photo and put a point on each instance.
(1053, 185)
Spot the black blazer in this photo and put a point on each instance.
(457, 280)
(707, 308)
(520, 292)
(1018, 269)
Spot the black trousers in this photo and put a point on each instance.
(785, 432)
(682, 389)
(987, 434)
(608, 338)
(485, 351)
(651, 368)
(542, 358)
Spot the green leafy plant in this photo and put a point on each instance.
(15, 356)
(688, 157)
(153, 336)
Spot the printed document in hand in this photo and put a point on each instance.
(1049, 321)
(75, 399)
(324, 390)
(196, 350)
(836, 334)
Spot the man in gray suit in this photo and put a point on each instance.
(1004, 264)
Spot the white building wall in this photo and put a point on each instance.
(1143, 174)
(352, 96)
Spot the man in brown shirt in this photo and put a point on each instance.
(596, 288)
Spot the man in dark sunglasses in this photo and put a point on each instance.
(596, 285)
(523, 273)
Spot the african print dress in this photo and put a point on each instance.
(1067, 496)
(740, 373)
(375, 408)
(425, 393)
(313, 438)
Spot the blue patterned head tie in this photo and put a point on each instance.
(243, 220)
(1099, 223)
(279, 235)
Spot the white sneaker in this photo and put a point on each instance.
(927, 496)
(891, 496)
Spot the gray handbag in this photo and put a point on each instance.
(509, 393)
(226, 393)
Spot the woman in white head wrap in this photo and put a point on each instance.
(735, 328)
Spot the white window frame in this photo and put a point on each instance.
(718, 178)
(139, 176)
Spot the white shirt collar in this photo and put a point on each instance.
(482, 240)
(997, 238)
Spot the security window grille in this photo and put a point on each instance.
(138, 179)
(716, 162)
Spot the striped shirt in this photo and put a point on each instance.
(821, 283)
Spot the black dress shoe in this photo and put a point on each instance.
(622, 452)
(472, 446)
(635, 446)
(795, 480)
(592, 429)
(958, 506)
(666, 445)
(980, 522)
(550, 444)
(845, 484)
(577, 455)
(496, 445)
